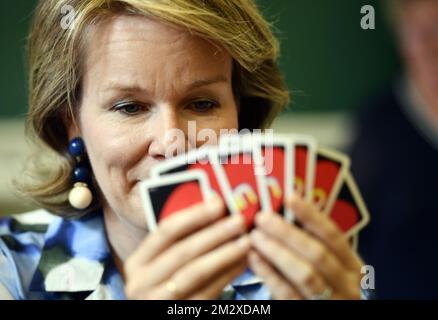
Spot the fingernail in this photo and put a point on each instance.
(264, 217)
(235, 224)
(214, 205)
(253, 257)
(257, 236)
(294, 199)
(260, 217)
(244, 242)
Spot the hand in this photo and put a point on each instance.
(302, 263)
(193, 254)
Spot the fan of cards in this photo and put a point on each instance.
(253, 173)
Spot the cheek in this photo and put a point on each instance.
(209, 130)
(227, 118)
(112, 150)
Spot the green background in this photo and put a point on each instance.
(329, 62)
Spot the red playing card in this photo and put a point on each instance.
(330, 168)
(179, 196)
(196, 160)
(274, 157)
(164, 196)
(301, 170)
(236, 175)
(275, 176)
(303, 166)
(349, 211)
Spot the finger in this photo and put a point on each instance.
(325, 229)
(299, 272)
(311, 249)
(201, 271)
(194, 246)
(175, 227)
(279, 287)
(214, 289)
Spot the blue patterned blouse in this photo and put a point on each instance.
(43, 256)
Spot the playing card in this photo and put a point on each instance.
(255, 172)
(305, 153)
(349, 211)
(163, 196)
(199, 159)
(354, 241)
(277, 163)
(330, 169)
(278, 160)
(236, 171)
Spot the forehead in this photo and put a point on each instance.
(156, 58)
(124, 27)
(131, 40)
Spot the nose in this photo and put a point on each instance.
(168, 133)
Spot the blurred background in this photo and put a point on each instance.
(329, 61)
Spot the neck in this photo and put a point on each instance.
(123, 237)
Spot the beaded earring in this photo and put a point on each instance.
(80, 196)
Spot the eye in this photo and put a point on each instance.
(129, 108)
(203, 105)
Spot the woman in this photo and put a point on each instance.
(107, 87)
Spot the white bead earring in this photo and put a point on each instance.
(80, 196)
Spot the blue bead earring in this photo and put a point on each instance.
(80, 196)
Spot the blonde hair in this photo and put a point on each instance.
(54, 70)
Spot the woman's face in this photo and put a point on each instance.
(141, 79)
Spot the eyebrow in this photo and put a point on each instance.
(115, 86)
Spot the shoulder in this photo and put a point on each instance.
(40, 216)
(26, 221)
(379, 107)
(32, 224)
(21, 242)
